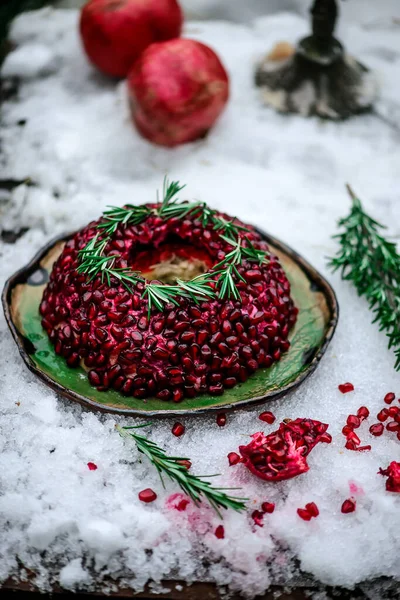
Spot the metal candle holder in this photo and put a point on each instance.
(317, 77)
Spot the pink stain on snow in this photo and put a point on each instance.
(177, 502)
(355, 489)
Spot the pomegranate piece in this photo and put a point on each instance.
(392, 426)
(234, 458)
(392, 472)
(182, 504)
(348, 506)
(115, 32)
(177, 90)
(147, 495)
(220, 532)
(383, 415)
(388, 399)
(92, 466)
(267, 417)
(221, 420)
(178, 429)
(345, 388)
(283, 453)
(268, 507)
(376, 429)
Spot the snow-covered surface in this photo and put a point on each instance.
(284, 174)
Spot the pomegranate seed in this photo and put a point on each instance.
(353, 421)
(394, 411)
(185, 463)
(312, 509)
(393, 426)
(345, 388)
(390, 396)
(147, 495)
(363, 413)
(182, 504)
(376, 429)
(220, 532)
(221, 420)
(178, 429)
(268, 507)
(258, 518)
(363, 449)
(353, 437)
(350, 445)
(346, 430)
(267, 417)
(348, 506)
(304, 514)
(383, 415)
(233, 458)
(92, 466)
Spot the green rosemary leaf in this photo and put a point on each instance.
(195, 487)
(372, 264)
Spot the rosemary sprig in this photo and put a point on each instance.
(195, 487)
(116, 216)
(372, 264)
(198, 289)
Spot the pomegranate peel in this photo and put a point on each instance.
(392, 472)
(283, 454)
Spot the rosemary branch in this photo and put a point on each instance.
(203, 287)
(372, 264)
(195, 487)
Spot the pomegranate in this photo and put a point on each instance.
(115, 32)
(283, 454)
(393, 477)
(184, 350)
(177, 90)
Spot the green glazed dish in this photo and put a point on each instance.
(316, 323)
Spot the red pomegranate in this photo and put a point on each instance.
(187, 348)
(115, 32)
(177, 90)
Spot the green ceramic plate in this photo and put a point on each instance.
(318, 314)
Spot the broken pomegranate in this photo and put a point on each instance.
(283, 453)
(115, 32)
(393, 477)
(184, 350)
(177, 90)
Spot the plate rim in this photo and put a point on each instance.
(23, 273)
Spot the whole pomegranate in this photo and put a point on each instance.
(177, 90)
(115, 32)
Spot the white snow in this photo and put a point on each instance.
(284, 174)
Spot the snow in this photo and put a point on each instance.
(76, 153)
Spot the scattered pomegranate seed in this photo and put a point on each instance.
(376, 429)
(268, 507)
(92, 466)
(346, 430)
(353, 437)
(353, 421)
(364, 448)
(221, 419)
(348, 506)
(304, 514)
(220, 532)
(147, 495)
(363, 413)
(258, 518)
(383, 415)
(350, 445)
(326, 438)
(178, 429)
(345, 388)
(182, 504)
(268, 417)
(312, 509)
(393, 426)
(185, 463)
(394, 411)
(233, 458)
(389, 398)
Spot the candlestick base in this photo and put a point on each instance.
(331, 84)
